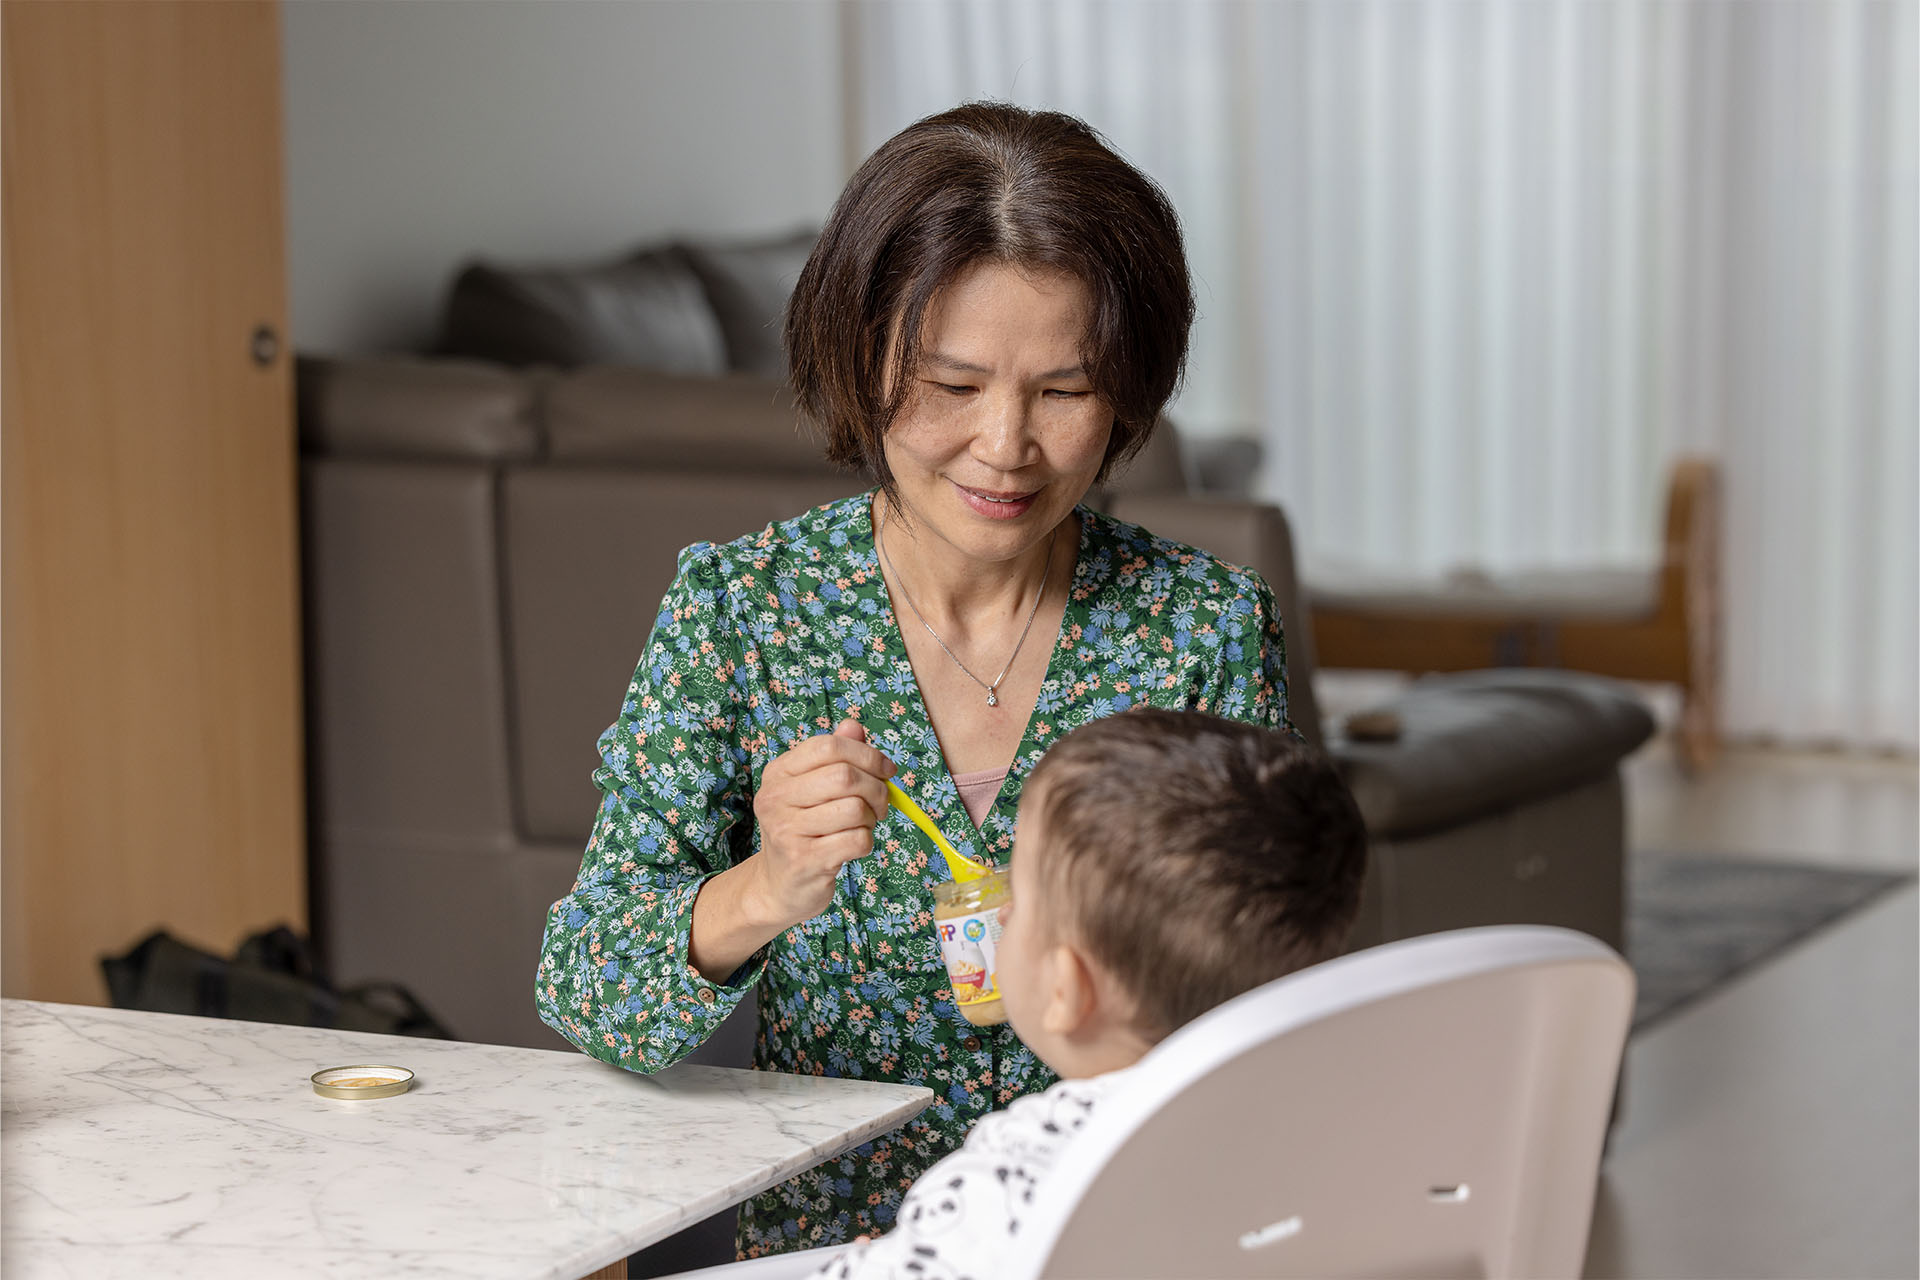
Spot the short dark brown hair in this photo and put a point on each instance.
(1196, 858)
(987, 182)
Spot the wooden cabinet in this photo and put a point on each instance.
(150, 697)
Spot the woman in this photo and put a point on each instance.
(994, 316)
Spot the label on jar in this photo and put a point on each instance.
(966, 944)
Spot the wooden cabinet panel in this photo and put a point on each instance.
(151, 702)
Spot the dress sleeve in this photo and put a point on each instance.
(614, 978)
(1250, 678)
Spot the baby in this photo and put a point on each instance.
(1164, 862)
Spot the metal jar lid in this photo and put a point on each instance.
(362, 1083)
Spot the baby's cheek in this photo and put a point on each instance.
(1009, 957)
(1014, 977)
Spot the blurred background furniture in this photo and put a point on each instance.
(1659, 624)
(1460, 1087)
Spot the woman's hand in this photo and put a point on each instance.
(816, 809)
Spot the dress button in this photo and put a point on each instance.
(972, 1044)
(706, 995)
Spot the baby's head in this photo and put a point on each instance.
(1166, 862)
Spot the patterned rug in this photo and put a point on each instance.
(1694, 923)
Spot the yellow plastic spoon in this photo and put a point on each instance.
(958, 864)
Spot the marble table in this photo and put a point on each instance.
(155, 1145)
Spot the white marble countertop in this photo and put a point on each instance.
(154, 1145)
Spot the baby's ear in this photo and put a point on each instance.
(1072, 994)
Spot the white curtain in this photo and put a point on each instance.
(1476, 271)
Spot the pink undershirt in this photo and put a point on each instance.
(978, 791)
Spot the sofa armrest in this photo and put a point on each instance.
(1484, 741)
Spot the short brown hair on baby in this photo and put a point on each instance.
(1194, 857)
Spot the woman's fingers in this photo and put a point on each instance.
(847, 846)
(847, 813)
(817, 859)
(828, 768)
(838, 781)
(830, 748)
(816, 808)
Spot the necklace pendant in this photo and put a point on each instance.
(993, 699)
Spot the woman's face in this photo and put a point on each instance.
(1001, 434)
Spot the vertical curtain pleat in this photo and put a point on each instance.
(1479, 270)
(1440, 242)
(1847, 354)
(1492, 306)
(1279, 218)
(1817, 327)
(1894, 707)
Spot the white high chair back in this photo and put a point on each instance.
(1430, 1108)
(1434, 1107)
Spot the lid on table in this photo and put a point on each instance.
(362, 1083)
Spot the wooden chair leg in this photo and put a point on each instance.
(1699, 731)
(1694, 535)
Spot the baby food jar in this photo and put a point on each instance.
(966, 917)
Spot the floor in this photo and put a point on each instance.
(1770, 1130)
(1853, 811)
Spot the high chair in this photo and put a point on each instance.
(1433, 1107)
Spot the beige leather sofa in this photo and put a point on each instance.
(485, 550)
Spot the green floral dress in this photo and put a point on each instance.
(774, 638)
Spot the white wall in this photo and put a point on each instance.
(419, 133)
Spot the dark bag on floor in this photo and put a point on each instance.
(273, 978)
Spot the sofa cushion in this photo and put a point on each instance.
(404, 407)
(669, 422)
(648, 310)
(748, 284)
(460, 927)
(1473, 743)
(590, 553)
(406, 678)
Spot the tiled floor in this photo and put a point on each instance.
(1770, 1130)
(1854, 811)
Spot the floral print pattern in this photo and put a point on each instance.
(774, 638)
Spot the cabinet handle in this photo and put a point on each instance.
(264, 345)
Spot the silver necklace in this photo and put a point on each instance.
(993, 690)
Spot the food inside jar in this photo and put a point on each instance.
(966, 916)
(986, 1013)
